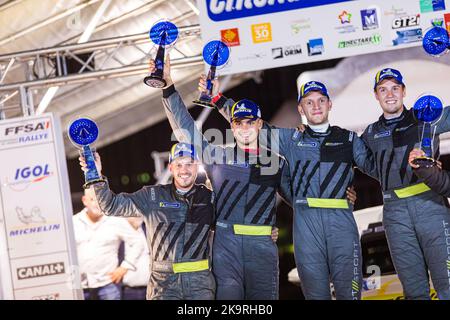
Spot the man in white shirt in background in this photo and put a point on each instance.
(98, 238)
(134, 283)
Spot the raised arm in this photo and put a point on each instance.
(181, 121)
(134, 204)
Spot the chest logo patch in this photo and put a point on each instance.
(240, 165)
(164, 204)
(307, 144)
(382, 134)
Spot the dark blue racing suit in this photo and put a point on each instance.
(178, 227)
(414, 217)
(245, 259)
(326, 238)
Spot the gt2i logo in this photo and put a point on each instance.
(25, 176)
(406, 21)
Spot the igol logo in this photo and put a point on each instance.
(25, 176)
(220, 10)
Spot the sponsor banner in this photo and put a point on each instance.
(220, 10)
(33, 220)
(38, 247)
(259, 31)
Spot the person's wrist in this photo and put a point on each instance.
(169, 82)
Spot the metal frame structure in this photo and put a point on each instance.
(38, 72)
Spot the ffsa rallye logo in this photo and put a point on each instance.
(23, 177)
(220, 10)
(23, 133)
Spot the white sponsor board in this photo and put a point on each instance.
(264, 34)
(38, 251)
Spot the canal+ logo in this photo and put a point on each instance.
(23, 177)
(221, 10)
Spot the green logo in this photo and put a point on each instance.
(374, 39)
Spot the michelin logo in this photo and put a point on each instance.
(220, 10)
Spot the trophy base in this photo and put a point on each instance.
(205, 104)
(88, 184)
(424, 162)
(155, 82)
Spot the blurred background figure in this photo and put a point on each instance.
(134, 284)
(98, 238)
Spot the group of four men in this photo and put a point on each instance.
(311, 167)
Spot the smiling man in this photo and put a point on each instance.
(413, 215)
(245, 179)
(178, 217)
(321, 160)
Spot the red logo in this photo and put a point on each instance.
(447, 21)
(230, 37)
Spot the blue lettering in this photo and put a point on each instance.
(220, 10)
(36, 171)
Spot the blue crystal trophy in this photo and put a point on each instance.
(83, 132)
(163, 34)
(215, 53)
(436, 41)
(428, 110)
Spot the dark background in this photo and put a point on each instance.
(129, 166)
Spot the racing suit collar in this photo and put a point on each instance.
(315, 134)
(182, 197)
(388, 122)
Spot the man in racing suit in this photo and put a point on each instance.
(245, 179)
(321, 160)
(413, 215)
(178, 218)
